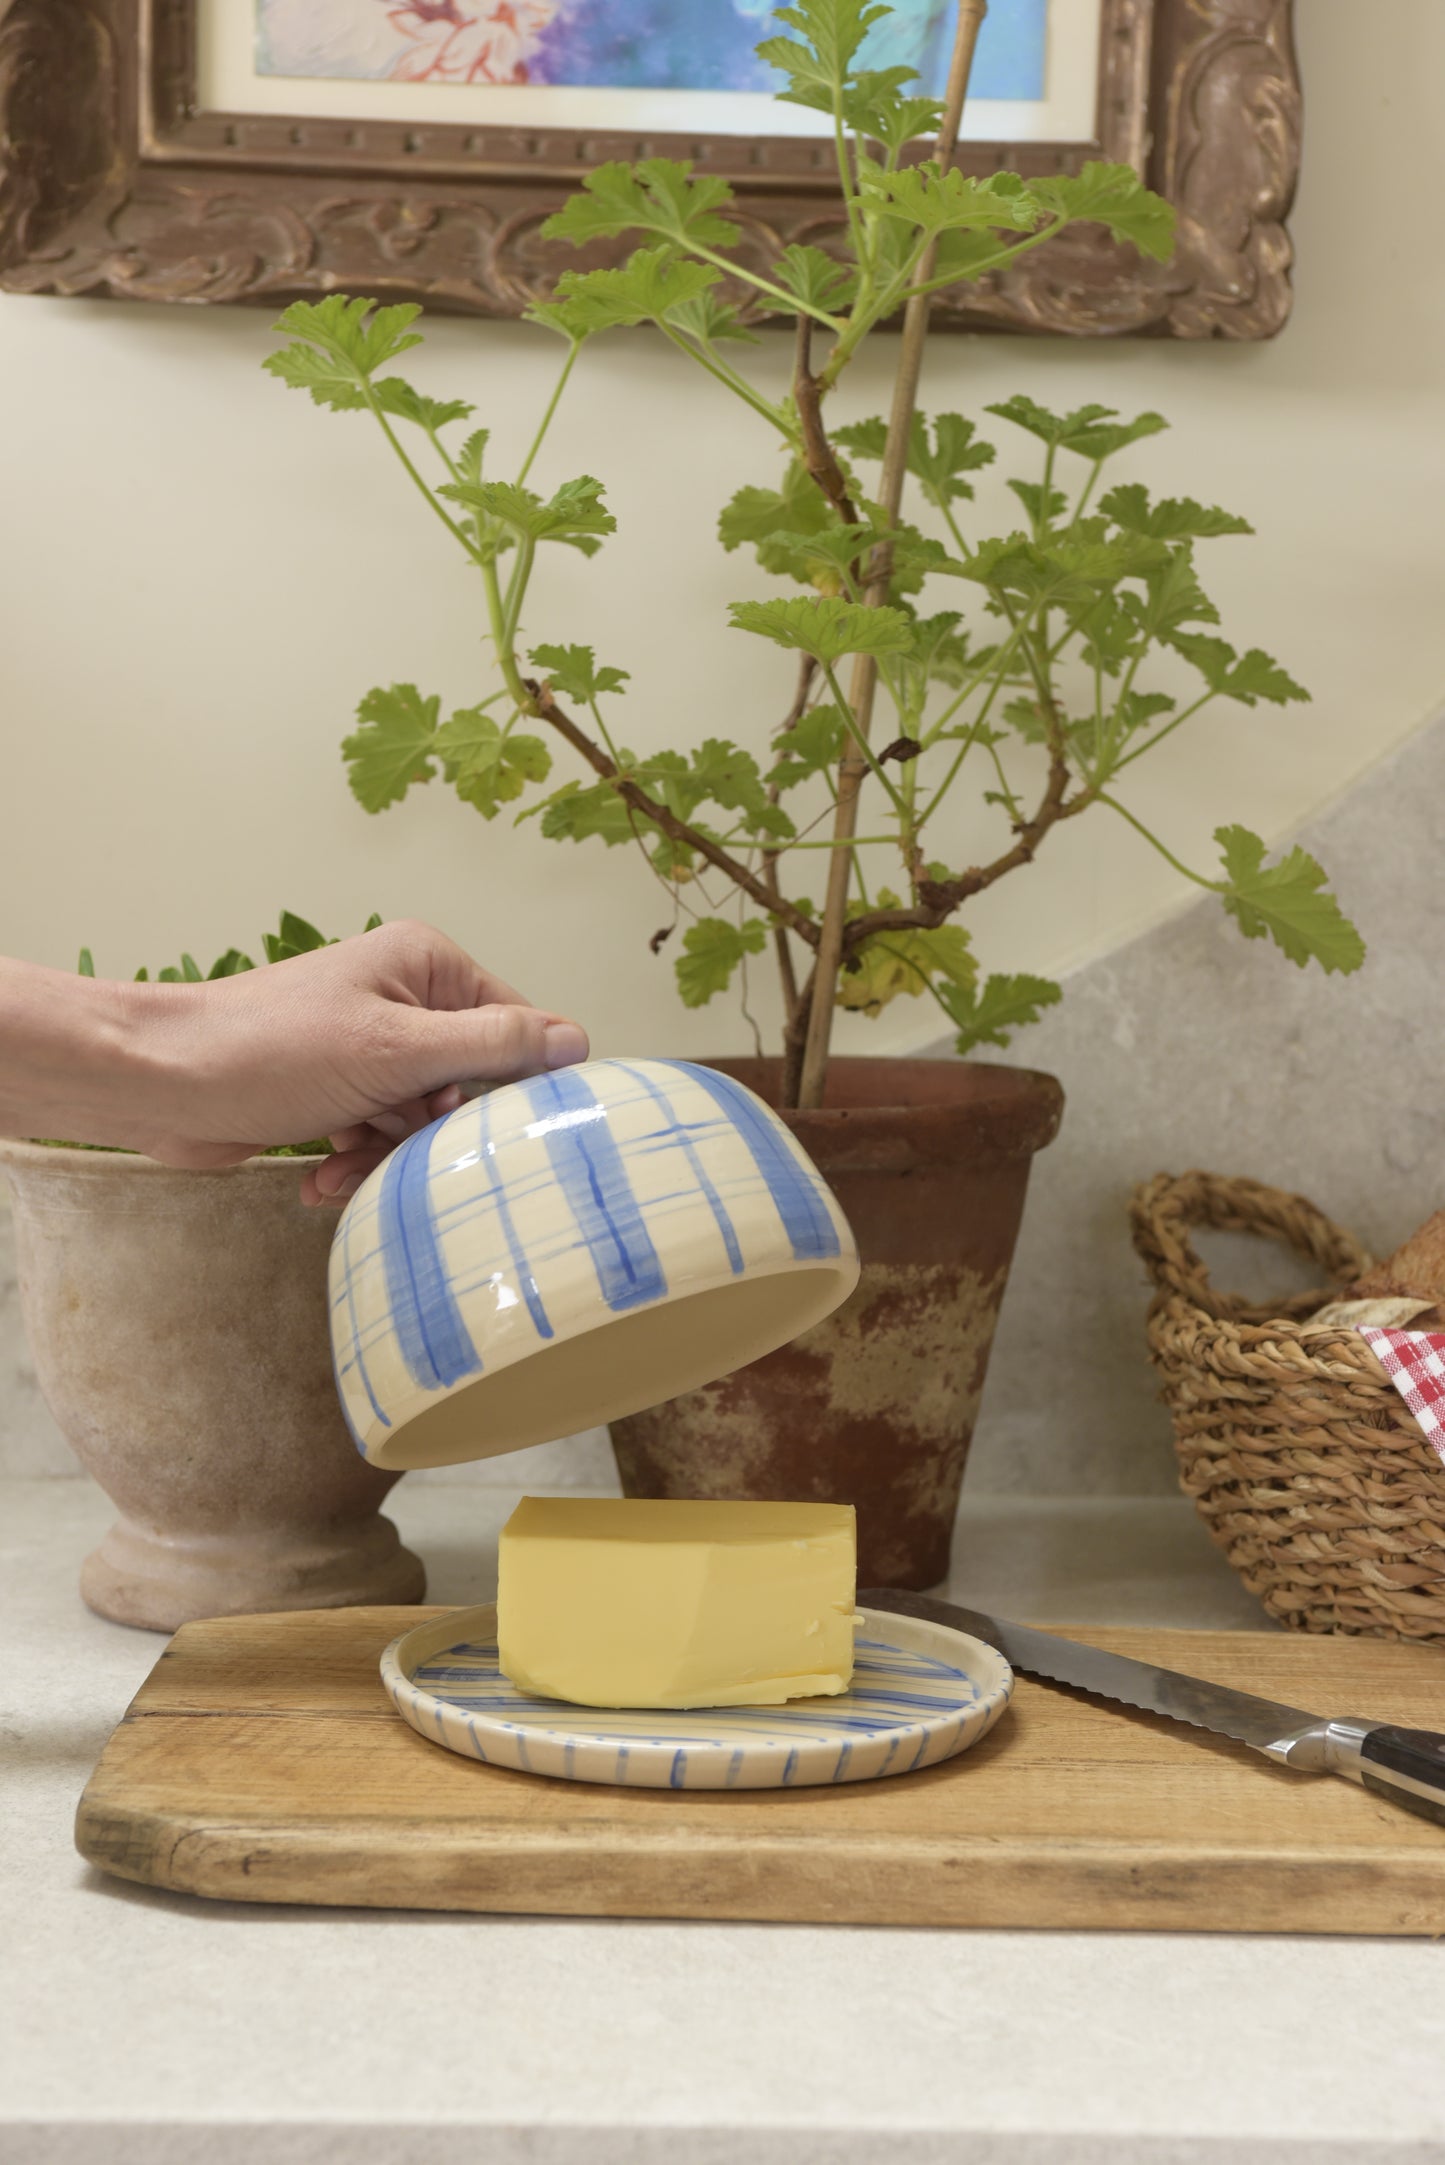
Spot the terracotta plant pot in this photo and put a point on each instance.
(876, 1405)
(179, 1327)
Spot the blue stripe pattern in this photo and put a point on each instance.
(908, 1707)
(588, 1164)
(806, 1218)
(677, 1132)
(536, 1307)
(428, 1323)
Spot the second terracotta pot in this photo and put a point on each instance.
(876, 1405)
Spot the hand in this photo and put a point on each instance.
(363, 1042)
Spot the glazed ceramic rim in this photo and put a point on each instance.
(794, 1761)
(844, 1271)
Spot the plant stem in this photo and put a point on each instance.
(790, 301)
(818, 454)
(552, 404)
(1214, 886)
(865, 675)
(400, 449)
(728, 378)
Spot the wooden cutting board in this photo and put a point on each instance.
(261, 1762)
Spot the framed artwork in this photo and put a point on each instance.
(269, 150)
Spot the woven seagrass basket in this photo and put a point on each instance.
(1299, 1454)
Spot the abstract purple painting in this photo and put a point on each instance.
(620, 44)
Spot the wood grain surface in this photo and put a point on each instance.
(261, 1762)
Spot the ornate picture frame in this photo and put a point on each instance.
(115, 181)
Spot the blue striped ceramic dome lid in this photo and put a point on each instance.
(546, 1209)
(920, 1694)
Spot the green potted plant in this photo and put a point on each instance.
(923, 659)
(178, 1322)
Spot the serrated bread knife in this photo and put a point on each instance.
(1405, 1765)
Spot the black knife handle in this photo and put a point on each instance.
(1408, 1767)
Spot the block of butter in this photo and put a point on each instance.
(627, 1602)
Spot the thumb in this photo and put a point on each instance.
(496, 1043)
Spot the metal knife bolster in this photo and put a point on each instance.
(1306, 1743)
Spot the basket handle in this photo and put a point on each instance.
(1163, 1210)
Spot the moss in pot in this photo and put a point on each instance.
(178, 1323)
(929, 663)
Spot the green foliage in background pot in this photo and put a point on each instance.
(1023, 658)
(293, 936)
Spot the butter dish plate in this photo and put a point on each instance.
(921, 1693)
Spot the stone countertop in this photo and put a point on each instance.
(140, 2026)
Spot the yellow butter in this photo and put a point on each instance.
(630, 1602)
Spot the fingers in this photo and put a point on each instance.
(357, 1151)
(487, 1044)
(337, 1178)
(434, 972)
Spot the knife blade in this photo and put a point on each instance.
(1405, 1765)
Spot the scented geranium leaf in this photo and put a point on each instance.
(813, 745)
(1172, 597)
(396, 396)
(85, 966)
(336, 383)
(573, 320)
(876, 107)
(815, 279)
(915, 555)
(935, 200)
(711, 322)
(657, 195)
(825, 626)
(712, 950)
(1112, 196)
(1136, 710)
(819, 67)
(1173, 518)
(578, 811)
(372, 922)
(340, 344)
(391, 748)
(575, 514)
(907, 963)
(1287, 903)
(647, 288)
(822, 559)
(486, 767)
(1060, 570)
(573, 671)
(1042, 509)
(469, 458)
(753, 514)
(990, 1015)
(1109, 633)
(866, 439)
(940, 655)
(1095, 432)
(1247, 677)
(358, 329)
(939, 461)
(724, 775)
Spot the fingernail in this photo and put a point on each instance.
(566, 1044)
(348, 1186)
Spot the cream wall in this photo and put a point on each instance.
(200, 574)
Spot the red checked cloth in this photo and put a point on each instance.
(1414, 1361)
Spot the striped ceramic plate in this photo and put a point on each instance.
(920, 1693)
